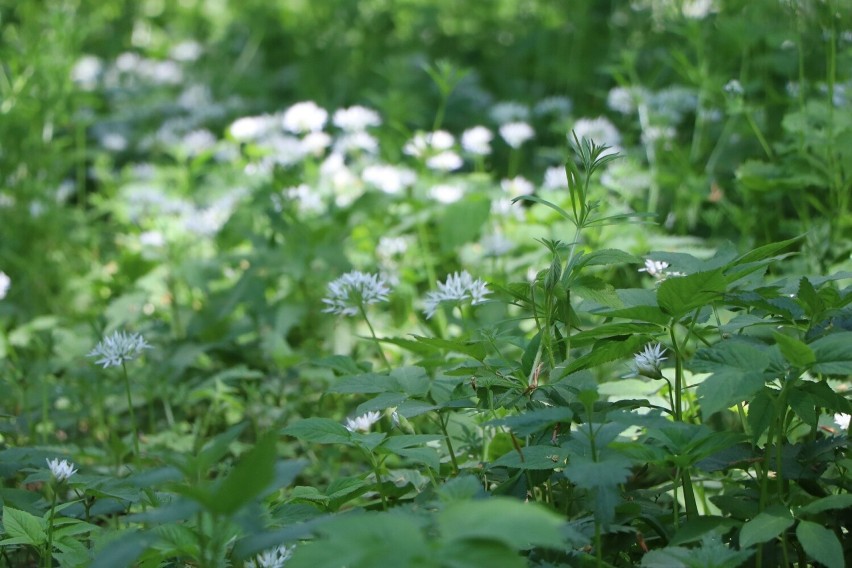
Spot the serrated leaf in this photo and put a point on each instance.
(737, 373)
(678, 296)
(319, 430)
(532, 421)
(808, 295)
(365, 383)
(123, 550)
(605, 257)
(533, 457)
(517, 524)
(608, 472)
(253, 473)
(607, 351)
(765, 526)
(833, 355)
(25, 527)
(821, 544)
(840, 501)
(795, 351)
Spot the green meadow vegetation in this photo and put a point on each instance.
(414, 283)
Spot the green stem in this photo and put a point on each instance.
(130, 409)
(379, 487)
(47, 557)
(449, 444)
(375, 338)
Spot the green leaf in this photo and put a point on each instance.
(606, 351)
(411, 380)
(363, 384)
(680, 295)
(25, 527)
(797, 353)
(534, 457)
(252, 474)
(479, 553)
(515, 523)
(123, 550)
(595, 289)
(821, 544)
(696, 528)
(765, 526)
(840, 501)
(833, 355)
(533, 421)
(474, 349)
(737, 369)
(764, 252)
(319, 430)
(606, 257)
(809, 297)
(608, 472)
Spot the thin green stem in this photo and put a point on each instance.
(47, 557)
(449, 444)
(375, 338)
(379, 487)
(132, 413)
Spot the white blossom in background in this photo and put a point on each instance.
(113, 141)
(61, 470)
(734, 88)
(354, 290)
(389, 179)
(198, 142)
(351, 142)
(505, 208)
(698, 9)
(496, 245)
(509, 111)
(458, 287)
(842, 420)
(477, 141)
(250, 128)
(117, 348)
(654, 134)
(87, 71)
(446, 161)
(446, 193)
(390, 247)
(273, 558)
(424, 144)
(362, 423)
(555, 178)
(655, 268)
(517, 186)
(649, 360)
(600, 131)
(315, 143)
(152, 239)
(186, 51)
(673, 103)
(516, 133)
(304, 117)
(356, 118)
(559, 106)
(5, 284)
(624, 99)
(308, 199)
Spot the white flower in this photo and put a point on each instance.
(152, 239)
(356, 141)
(734, 88)
(516, 133)
(477, 140)
(86, 72)
(61, 470)
(5, 284)
(117, 348)
(623, 99)
(446, 193)
(309, 200)
(424, 144)
(698, 9)
(186, 51)
(355, 118)
(509, 111)
(273, 558)
(458, 287)
(304, 117)
(389, 247)
(655, 268)
(389, 179)
(445, 161)
(516, 186)
(349, 293)
(315, 143)
(648, 360)
(555, 178)
(600, 131)
(842, 420)
(363, 422)
(251, 127)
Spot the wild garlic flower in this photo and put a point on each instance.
(600, 131)
(61, 470)
(477, 141)
(516, 133)
(842, 420)
(5, 284)
(117, 348)
(458, 287)
(649, 360)
(425, 144)
(655, 268)
(273, 558)
(354, 290)
(356, 118)
(304, 117)
(446, 161)
(389, 179)
(362, 423)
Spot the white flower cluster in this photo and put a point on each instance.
(351, 292)
(61, 470)
(649, 360)
(516, 133)
(362, 423)
(657, 269)
(458, 287)
(273, 558)
(117, 348)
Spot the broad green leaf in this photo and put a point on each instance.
(737, 369)
(253, 473)
(613, 329)
(25, 527)
(765, 526)
(411, 380)
(840, 501)
(610, 471)
(605, 257)
(515, 523)
(797, 353)
(764, 251)
(678, 296)
(533, 457)
(694, 529)
(809, 297)
(364, 383)
(761, 412)
(821, 544)
(474, 349)
(532, 421)
(319, 430)
(426, 456)
(123, 550)
(596, 290)
(833, 355)
(462, 222)
(607, 351)
(478, 554)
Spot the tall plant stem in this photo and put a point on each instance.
(132, 413)
(449, 444)
(375, 338)
(686, 479)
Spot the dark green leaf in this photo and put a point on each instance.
(534, 457)
(821, 544)
(249, 478)
(319, 430)
(833, 354)
(737, 369)
(678, 296)
(765, 526)
(517, 524)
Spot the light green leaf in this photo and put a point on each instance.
(797, 353)
(534, 457)
(765, 526)
(678, 296)
(821, 544)
(25, 527)
(252, 474)
(515, 523)
(737, 371)
(319, 430)
(833, 355)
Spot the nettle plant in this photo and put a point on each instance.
(699, 421)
